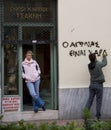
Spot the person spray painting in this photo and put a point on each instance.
(31, 73)
(96, 82)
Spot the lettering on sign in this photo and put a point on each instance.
(30, 12)
(10, 104)
(89, 47)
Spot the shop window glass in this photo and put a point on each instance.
(10, 61)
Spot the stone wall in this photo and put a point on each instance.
(72, 102)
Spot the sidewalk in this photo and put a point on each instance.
(49, 116)
(78, 122)
(30, 116)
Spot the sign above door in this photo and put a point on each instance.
(31, 11)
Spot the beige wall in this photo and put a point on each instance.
(82, 20)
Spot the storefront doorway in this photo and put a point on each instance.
(30, 26)
(41, 53)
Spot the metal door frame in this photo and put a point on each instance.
(53, 56)
(53, 63)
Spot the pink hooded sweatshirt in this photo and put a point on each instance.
(30, 70)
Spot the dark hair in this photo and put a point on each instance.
(92, 57)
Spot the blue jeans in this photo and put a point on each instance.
(33, 88)
(95, 89)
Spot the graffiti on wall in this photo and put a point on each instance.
(81, 48)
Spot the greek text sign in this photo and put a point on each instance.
(27, 12)
(10, 104)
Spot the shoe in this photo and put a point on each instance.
(36, 110)
(98, 118)
(43, 108)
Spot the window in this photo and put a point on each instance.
(10, 61)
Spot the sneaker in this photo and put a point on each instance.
(43, 108)
(36, 110)
(98, 118)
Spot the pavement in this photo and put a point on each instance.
(49, 116)
(78, 122)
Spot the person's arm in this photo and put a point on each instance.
(23, 72)
(38, 68)
(103, 62)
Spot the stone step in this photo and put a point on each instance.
(30, 116)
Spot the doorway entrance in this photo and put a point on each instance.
(41, 53)
(29, 25)
(40, 41)
(42, 56)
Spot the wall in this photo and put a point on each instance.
(83, 26)
(84, 21)
(73, 100)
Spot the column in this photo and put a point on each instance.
(0, 49)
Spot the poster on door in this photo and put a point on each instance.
(10, 104)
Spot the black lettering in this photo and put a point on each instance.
(72, 44)
(76, 53)
(65, 44)
(100, 52)
(76, 44)
(92, 43)
(88, 44)
(97, 53)
(90, 51)
(85, 43)
(83, 52)
(97, 45)
(71, 53)
(81, 44)
(105, 52)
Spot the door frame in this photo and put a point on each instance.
(53, 63)
(54, 56)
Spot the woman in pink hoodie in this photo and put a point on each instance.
(31, 74)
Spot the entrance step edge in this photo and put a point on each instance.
(30, 116)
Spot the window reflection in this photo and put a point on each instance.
(10, 33)
(10, 61)
(10, 69)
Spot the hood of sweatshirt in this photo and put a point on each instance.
(91, 65)
(28, 61)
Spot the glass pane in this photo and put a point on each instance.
(10, 69)
(10, 34)
(41, 35)
(10, 61)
